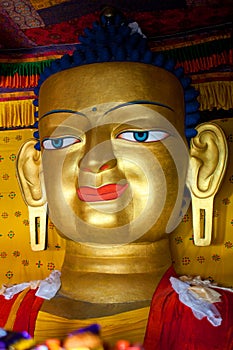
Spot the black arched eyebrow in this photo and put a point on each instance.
(139, 102)
(54, 111)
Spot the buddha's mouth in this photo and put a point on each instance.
(103, 193)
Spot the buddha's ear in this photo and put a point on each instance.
(30, 177)
(30, 174)
(208, 161)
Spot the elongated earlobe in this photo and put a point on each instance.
(30, 178)
(38, 226)
(209, 153)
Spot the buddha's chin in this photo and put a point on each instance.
(102, 221)
(95, 227)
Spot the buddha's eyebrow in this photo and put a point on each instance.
(54, 111)
(139, 102)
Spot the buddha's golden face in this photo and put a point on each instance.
(113, 159)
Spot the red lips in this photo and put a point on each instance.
(104, 193)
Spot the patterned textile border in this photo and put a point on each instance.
(196, 58)
(19, 95)
(216, 92)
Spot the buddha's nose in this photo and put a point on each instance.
(98, 157)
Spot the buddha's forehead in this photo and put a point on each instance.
(107, 116)
(91, 85)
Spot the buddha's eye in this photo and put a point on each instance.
(60, 142)
(143, 136)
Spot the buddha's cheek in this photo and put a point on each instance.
(166, 177)
(158, 197)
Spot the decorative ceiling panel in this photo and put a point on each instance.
(22, 13)
(30, 24)
(42, 4)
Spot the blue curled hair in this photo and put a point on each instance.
(114, 41)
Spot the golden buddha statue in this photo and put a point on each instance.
(114, 169)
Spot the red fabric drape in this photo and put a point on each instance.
(172, 325)
(27, 313)
(5, 308)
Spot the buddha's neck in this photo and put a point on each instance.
(127, 273)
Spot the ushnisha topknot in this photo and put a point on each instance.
(113, 39)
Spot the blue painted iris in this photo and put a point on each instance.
(143, 136)
(60, 142)
(57, 143)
